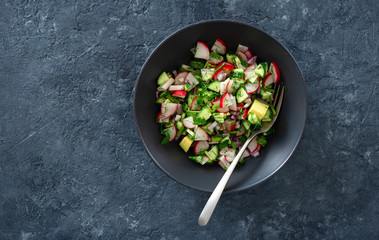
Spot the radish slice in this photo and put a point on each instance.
(256, 154)
(214, 60)
(225, 100)
(171, 131)
(180, 78)
(159, 118)
(241, 132)
(178, 117)
(242, 55)
(223, 163)
(252, 61)
(253, 145)
(230, 154)
(275, 72)
(251, 67)
(223, 86)
(200, 146)
(229, 125)
(222, 110)
(219, 47)
(249, 73)
(202, 50)
(245, 154)
(220, 75)
(216, 102)
(188, 123)
(204, 160)
(190, 79)
(229, 86)
(212, 126)
(179, 94)
(233, 105)
(166, 85)
(269, 79)
(194, 105)
(248, 54)
(201, 134)
(242, 48)
(251, 87)
(176, 87)
(168, 109)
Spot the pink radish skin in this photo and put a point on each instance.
(245, 154)
(253, 145)
(248, 54)
(188, 123)
(274, 69)
(202, 50)
(172, 131)
(201, 134)
(179, 94)
(219, 47)
(229, 86)
(251, 88)
(269, 79)
(242, 55)
(168, 109)
(200, 146)
(180, 78)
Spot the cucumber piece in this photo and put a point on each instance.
(260, 70)
(214, 86)
(163, 78)
(265, 93)
(216, 138)
(203, 116)
(207, 74)
(224, 142)
(241, 95)
(191, 134)
(246, 124)
(197, 158)
(237, 73)
(268, 116)
(230, 57)
(192, 114)
(253, 119)
(213, 153)
(180, 127)
(219, 117)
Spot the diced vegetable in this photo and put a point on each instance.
(212, 103)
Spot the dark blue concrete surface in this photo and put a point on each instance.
(72, 166)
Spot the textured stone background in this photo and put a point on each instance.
(72, 166)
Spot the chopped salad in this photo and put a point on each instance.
(213, 103)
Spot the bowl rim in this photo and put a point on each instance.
(207, 22)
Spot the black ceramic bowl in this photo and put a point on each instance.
(174, 51)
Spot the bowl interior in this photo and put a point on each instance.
(174, 51)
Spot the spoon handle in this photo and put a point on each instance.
(210, 206)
